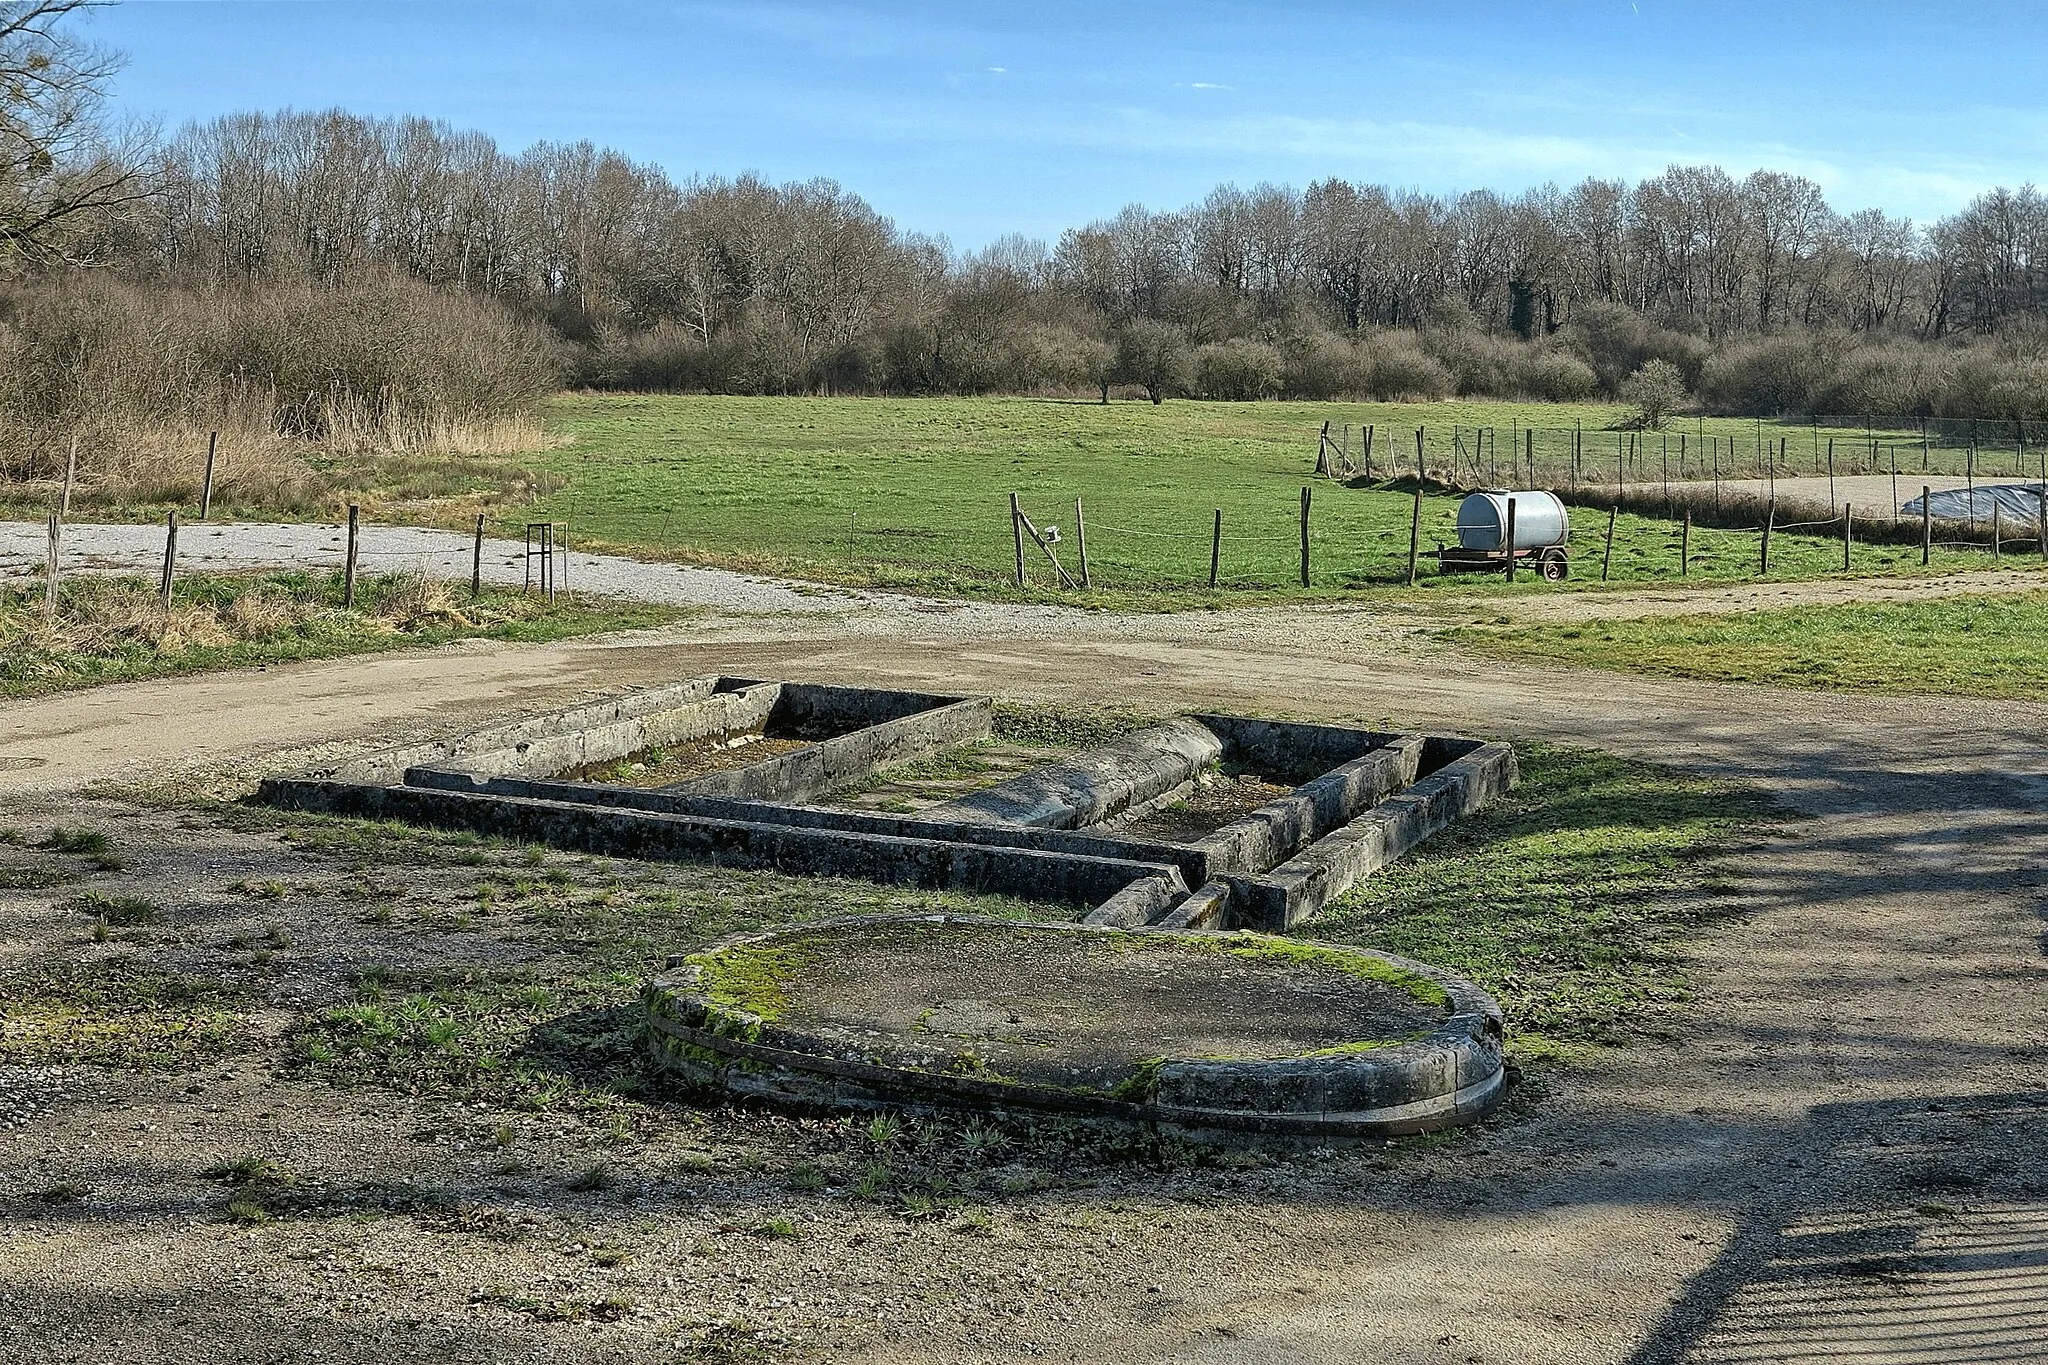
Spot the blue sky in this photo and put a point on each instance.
(978, 119)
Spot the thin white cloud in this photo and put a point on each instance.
(999, 70)
(1210, 85)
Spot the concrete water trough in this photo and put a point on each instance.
(1308, 811)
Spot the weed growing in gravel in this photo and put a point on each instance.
(778, 1229)
(249, 1170)
(86, 843)
(117, 1012)
(90, 844)
(34, 877)
(805, 1177)
(121, 912)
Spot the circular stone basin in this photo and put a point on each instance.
(1190, 1029)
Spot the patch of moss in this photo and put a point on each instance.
(747, 977)
(1363, 1046)
(1142, 1085)
(1263, 947)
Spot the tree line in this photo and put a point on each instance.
(1755, 290)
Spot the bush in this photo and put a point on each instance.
(1553, 376)
(1657, 390)
(1771, 376)
(1319, 365)
(382, 362)
(1905, 380)
(1616, 343)
(1238, 371)
(1154, 356)
(1395, 367)
(1480, 365)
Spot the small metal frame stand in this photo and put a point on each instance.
(540, 540)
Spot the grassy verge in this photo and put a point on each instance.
(1574, 900)
(117, 630)
(913, 494)
(1990, 646)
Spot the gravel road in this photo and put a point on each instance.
(1842, 1153)
(229, 546)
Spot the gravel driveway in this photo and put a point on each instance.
(218, 547)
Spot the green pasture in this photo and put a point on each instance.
(1990, 646)
(913, 493)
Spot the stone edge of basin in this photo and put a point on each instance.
(1452, 1075)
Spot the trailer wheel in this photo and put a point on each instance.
(1554, 565)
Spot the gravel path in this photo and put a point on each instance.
(229, 546)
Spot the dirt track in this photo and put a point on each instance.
(1872, 1044)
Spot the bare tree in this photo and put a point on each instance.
(61, 172)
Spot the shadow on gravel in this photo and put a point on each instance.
(1921, 1235)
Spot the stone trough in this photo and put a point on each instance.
(1334, 804)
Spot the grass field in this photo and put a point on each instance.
(1959, 646)
(1576, 900)
(913, 493)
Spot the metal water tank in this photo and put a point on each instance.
(1540, 521)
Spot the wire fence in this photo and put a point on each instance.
(1697, 501)
(544, 557)
(1700, 450)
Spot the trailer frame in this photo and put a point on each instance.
(1551, 563)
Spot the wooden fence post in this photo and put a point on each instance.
(1081, 541)
(1323, 452)
(1997, 531)
(1368, 448)
(206, 483)
(348, 564)
(1304, 537)
(1607, 556)
(1926, 524)
(476, 560)
(1017, 533)
(1848, 532)
(50, 581)
(70, 473)
(1215, 547)
(170, 558)
(1770, 524)
(1685, 545)
(1831, 473)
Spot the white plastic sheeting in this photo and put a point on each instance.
(2018, 503)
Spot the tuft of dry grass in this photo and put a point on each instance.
(409, 601)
